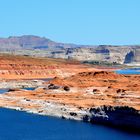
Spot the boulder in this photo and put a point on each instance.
(66, 88)
(52, 86)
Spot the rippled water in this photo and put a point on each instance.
(16, 125)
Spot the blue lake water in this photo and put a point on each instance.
(129, 71)
(16, 125)
(3, 91)
(29, 88)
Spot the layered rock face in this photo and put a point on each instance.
(111, 54)
(22, 67)
(43, 47)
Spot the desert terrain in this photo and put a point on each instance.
(76, 91)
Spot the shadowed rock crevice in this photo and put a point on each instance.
(129, 57)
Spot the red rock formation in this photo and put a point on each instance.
(20, 67)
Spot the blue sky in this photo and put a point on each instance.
(75, 21)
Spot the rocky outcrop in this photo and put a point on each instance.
(120, 116)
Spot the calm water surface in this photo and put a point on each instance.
(15, 125)
(3, 91)
(129, 71)
(29, 88)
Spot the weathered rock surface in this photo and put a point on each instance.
(120, 116)
(22, 67)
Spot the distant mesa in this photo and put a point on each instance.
(43, 47)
